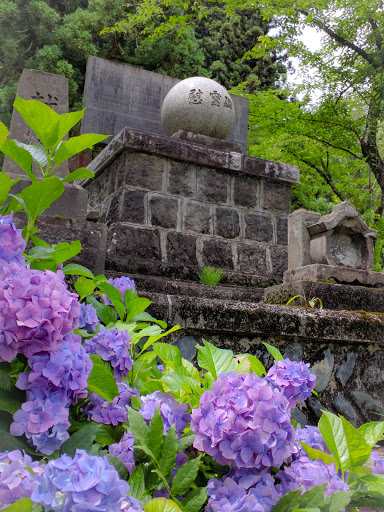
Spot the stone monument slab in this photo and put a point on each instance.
(118, 95)
(45, 87)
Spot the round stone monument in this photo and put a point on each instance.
(199, 105)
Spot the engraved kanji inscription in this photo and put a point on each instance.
(227, 102)
(195, 97)
(50, 100)
(216, 97)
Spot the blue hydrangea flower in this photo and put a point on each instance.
(88, 318)
(111, 413)
(244, 421)
(172, 412)
(16, 482)
(243, 491)
(378, 464)
(308, 473)
(130, 504)
(84, 483)
(123, 284)
(311, 436)
(12, 244)
(293, 379)
(123, 450)
(112, 345)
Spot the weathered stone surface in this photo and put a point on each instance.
(370, 407)
(212, 186)
(197, 217)
(227, 222)
(181, 249)
(182, 179)
(282, 231)
(345, 370)
(142, 170)
(49, 89)
(208, 142)
(133, 208)
(126, 243)
(294, 352)
(113, 214)
(117, 95)
(298, 237)
(276, 197)
(252, 258)
(217, 253)
(92, 236)
(198, 105)
(279, 258)
(271, 170)
(373, 371)
(298, 416)
(187, 347)
(323, 370)
(258, 227)
(246, 191)
(335, 274)
(344, 408)
(164, 211)
(316, 407)
(72, 204)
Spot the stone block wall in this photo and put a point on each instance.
(173, 206)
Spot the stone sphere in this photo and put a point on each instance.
(199, 105)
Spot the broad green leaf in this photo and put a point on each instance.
(23, 505)
(41, 119)
(275, 352)
(136, 402)
(80, 174)
(243, 366)
(173, 380)
(108, 434)
(39, 196)
(185, 477)
(215, 360)
(137, 426)
(106, 314)
(194, 500)
(366, 502)
(137, 483)
(37, 152)
(372, 432)
(5, 380)
(256, 365)
(5, 187)
(337, 501)
(19, 156)
(146, 317)
(4, 132)
(374, 483)
(119, 466)
(154, 437)
(38, 242)
(114, 296)
(357, 452)
(185, 442)
(68, 121)
(169, 354)
(101, 380)
(75, 145)
(288, 502)
(81, 440)
(58, 253)
(313, 497)
(73, 269)
(129, 296)
(161, 505)
(168, 452)
(153, 338)
(84, 287)
(314, 454)
(137, 306)
(8, 402)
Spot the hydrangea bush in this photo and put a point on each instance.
(92, 422)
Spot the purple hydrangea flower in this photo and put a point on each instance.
(378, 464)
(130, 504)
(308, 473)
(243, 491)
(66, 370)
(293, 379)
(123, 284)
(113, 346)
(123, 450)
(88, 318)
(244, 421)
(111, 413)
(43, 419)
(36, 312)
(16, 482)
(84, 483)
(172, 412)
(311, 436)
(12, 244)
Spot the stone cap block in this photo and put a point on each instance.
(342, 275)
(208, 142)
(187, 151)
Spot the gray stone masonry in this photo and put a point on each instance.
(173, 205)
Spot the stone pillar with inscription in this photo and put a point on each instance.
(45, 87)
